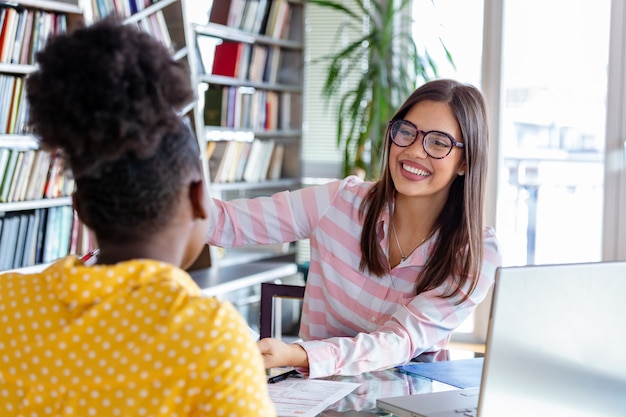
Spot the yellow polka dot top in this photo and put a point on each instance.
(133, 339)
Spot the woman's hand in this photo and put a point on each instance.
(278, 353)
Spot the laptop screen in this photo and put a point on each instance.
(556, 341)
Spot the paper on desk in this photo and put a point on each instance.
(307, 397)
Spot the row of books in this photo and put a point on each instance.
(256, 63)
(35, 236)
(234, 161)
(264, 17)
(155, 25)
(123, 8)
(25, 31)
(13, 104)
(249, 108)
(32, 175)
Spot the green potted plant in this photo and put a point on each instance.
(394, 66)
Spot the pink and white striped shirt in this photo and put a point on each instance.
(352, 322)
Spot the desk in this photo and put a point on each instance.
(388, 383)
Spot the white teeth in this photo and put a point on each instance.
(415, 171)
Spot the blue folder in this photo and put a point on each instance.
(461, 373)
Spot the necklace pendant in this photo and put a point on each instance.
(402, 258)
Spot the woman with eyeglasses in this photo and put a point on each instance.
(396, 264)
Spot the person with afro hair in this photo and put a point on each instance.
(132, 334)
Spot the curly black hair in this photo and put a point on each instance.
(107, 97)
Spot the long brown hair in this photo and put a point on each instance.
(458, 250)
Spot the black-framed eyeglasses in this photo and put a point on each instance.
(436, 144)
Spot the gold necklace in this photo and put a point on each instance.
(402, 255)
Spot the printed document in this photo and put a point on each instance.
(296, 397)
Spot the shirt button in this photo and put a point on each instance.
(373, 318)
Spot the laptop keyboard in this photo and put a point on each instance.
(467, 412)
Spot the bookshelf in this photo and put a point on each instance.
(37, 223)
(248, 68)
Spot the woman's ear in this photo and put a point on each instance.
(198, 198)
(462, 169)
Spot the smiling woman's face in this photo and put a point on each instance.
(416, 174)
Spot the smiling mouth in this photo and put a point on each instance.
(415, 171)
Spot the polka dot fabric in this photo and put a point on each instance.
(134, 339)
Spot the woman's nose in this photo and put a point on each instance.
(416, 149)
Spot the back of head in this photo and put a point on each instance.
(107, 96)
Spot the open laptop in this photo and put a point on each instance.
(556, 346)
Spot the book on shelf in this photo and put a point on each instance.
(3, 12)
(155, 25)
(4, 159)
(274, 171)
(243, 160)
(19, 37)
(288, 119)
(237, 159)
(24, 31)
(17, 95)
(8, 34)
(216, 150)
(219, 12)
(265, 158)
(36, 35)
(272, 65)
(226, 58)
(206, 46)
(23, 176)
(30, 174)
(213, 104)
(20, 240)
(7, 86)
(235, 13)
(258, 63)
(258, 160)
(250, 173)
(28, 31)
(41, 234)
(12, 175)
(280, 30)
(65, 230)
(244, 61)
(261, 16)
(7, 176)
(58, 229)
(82, 240)
(251, 16)
(38, 236)
(271, 110)
(41, 165)
(248, 108)
(30, 244)
(277, 18)
(221, 174)
(230, 106)
(8, 240)
(248, 15)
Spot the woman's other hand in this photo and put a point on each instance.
(278, 353)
